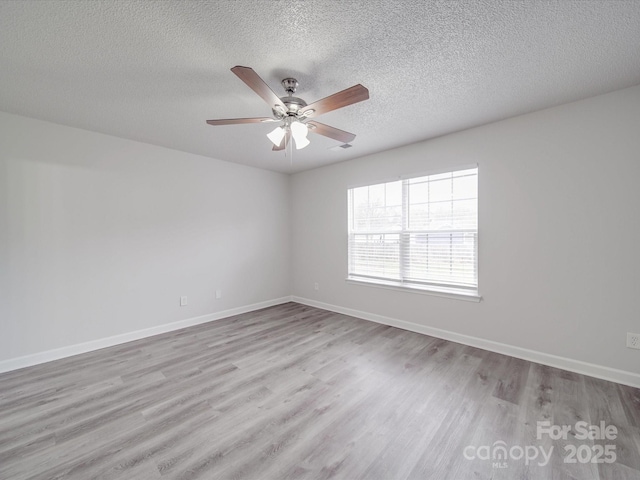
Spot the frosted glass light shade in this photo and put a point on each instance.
(276, 135)
(299, 132)
(299, 129)
(301, 142)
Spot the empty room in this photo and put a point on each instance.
(330, 239)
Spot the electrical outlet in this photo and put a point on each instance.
(218, 293)
(316, 286)
(183, 301)
(633, 340)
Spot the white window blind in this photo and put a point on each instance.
(419, 232)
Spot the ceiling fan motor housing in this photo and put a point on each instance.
(293, 104)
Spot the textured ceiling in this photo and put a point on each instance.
(154, 71)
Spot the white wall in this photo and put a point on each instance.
(559, 214)
(100, 236)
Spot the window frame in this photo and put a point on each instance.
(458, 291)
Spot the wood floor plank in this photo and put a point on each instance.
(510, 386)
(605, 405)
(569, 408)
(296, 392)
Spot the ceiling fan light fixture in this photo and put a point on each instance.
(301, 142)
(299, 132)
(299, 129)
(276, 135)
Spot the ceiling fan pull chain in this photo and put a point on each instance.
(291, 149)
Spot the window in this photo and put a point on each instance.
(417, 232)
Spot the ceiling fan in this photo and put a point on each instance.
(294, 113)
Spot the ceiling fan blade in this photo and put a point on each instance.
(352, 95)
(283, 143)
(331, 132)
(255, 83)
(235, 121)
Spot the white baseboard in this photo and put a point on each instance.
(577, 366)
(58, 353)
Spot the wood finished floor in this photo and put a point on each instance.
(294, 392)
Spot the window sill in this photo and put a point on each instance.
(459, 294)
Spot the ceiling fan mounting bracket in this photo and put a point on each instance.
(290, 85)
